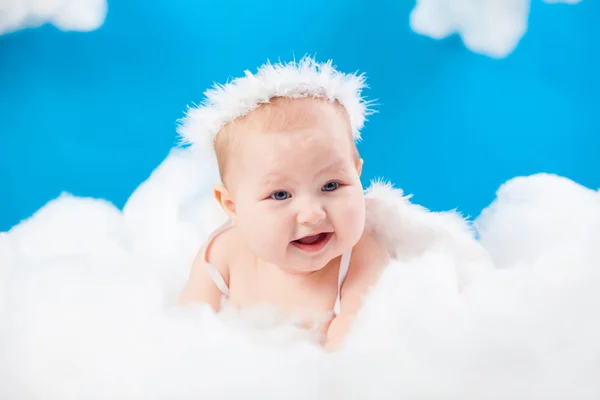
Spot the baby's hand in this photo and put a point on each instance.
(337, 331)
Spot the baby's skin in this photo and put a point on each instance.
(296, 205)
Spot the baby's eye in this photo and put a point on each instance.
(330, 186)
(281, 195)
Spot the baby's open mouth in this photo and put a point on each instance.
(314, 242)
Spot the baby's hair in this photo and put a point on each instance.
(269, 117)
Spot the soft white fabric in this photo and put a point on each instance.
(305, 78)
(68, 15)
(490, 27)
(87, 302)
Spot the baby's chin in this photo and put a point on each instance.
(301, 263)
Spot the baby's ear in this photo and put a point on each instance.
(223, 197)
(359, 164)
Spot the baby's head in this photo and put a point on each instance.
(291, 181)
(284, 141)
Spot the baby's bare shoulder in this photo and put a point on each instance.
(200, 286)
(368, 253)
(368, 260)
(223, 249)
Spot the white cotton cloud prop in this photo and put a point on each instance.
(68, 15)
(490, 27)
(87, 297)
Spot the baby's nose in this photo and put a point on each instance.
(311, 215)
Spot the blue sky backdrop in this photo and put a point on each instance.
(94, 113)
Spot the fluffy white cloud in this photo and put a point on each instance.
(75, 15)
(87, 294)
(490, 27)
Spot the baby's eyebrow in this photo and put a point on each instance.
(272, 179)
(275, 178)
(336, 165)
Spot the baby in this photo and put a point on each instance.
(295, 237)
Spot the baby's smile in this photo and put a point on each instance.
(313, 243)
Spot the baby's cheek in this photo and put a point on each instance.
(259, 239)
(358, 214)
(251, 224)
(268, 229)
(351, 213)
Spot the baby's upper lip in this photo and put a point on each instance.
(311, 234)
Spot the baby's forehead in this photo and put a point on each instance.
(285, 114)
(273, 169)
(287, 128)
(301, 143)
(298, 150)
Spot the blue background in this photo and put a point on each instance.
(94, 113)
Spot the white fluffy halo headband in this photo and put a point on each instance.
(305, 78)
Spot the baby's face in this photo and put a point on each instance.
(298, 198)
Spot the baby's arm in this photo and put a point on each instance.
(200, 286)
(367, 263)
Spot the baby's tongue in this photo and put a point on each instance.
(309, 239)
